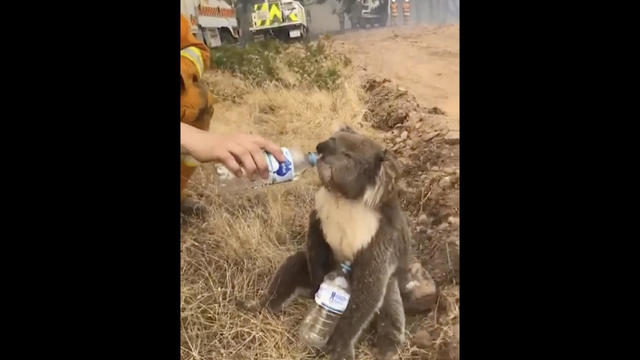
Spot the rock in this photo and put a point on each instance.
(430, 136)
(443, 226)
(436, 111)
(423, 220)
(446, 182)
(422, 339)
(397, 118)
(418, 125)
(404, 135)
(419, 290)
(414, 117)
(454, 220)
(452, 138)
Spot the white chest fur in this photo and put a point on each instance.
(347, 225)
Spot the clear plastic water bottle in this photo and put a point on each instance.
(296, 162)
(331, 301)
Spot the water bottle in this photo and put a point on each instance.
(331, 301)
(296, 162)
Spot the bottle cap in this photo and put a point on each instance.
(313, 158)
(346, 265)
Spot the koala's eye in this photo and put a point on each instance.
(347, 155)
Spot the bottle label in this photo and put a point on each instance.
(332, 298)
(280, 172)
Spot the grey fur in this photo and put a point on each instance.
(351, 165)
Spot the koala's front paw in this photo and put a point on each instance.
(339, 351)
(387, 354)
(348, 354)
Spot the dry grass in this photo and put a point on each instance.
(233, 253)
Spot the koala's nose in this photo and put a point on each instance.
(324, 147)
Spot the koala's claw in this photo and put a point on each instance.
(338, 351)
(342, 355)
(387, 354)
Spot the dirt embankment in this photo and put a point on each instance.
(429, 155)
(424, 60)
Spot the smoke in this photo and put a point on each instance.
(436, 11)
(431, 12)
(322, 18)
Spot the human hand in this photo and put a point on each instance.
(236, 152)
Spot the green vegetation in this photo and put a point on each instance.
(272, 62)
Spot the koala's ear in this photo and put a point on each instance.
(345, 128)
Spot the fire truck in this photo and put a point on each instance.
(281, 19)
(212, 21)
(366, 13)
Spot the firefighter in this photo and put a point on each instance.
(394, 12)
(236, 152)
(406, 12)
(344, 8)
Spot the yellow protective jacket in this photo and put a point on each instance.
(194, 60)
(196, 104)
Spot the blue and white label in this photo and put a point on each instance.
(280, 172)
(332, 298)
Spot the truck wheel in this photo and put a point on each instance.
(226, 37)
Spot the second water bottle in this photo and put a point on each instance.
(331, 300)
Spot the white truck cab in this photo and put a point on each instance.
(282, 19)
(212, 21)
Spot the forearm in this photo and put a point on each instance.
(236, 152)
(188, 137)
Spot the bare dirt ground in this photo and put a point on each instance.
(422, 59)
(402, 90)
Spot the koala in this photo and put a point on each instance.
(357, 217)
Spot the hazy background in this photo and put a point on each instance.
(422, 11)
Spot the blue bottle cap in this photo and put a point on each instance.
(313, 158)
(346, 266)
